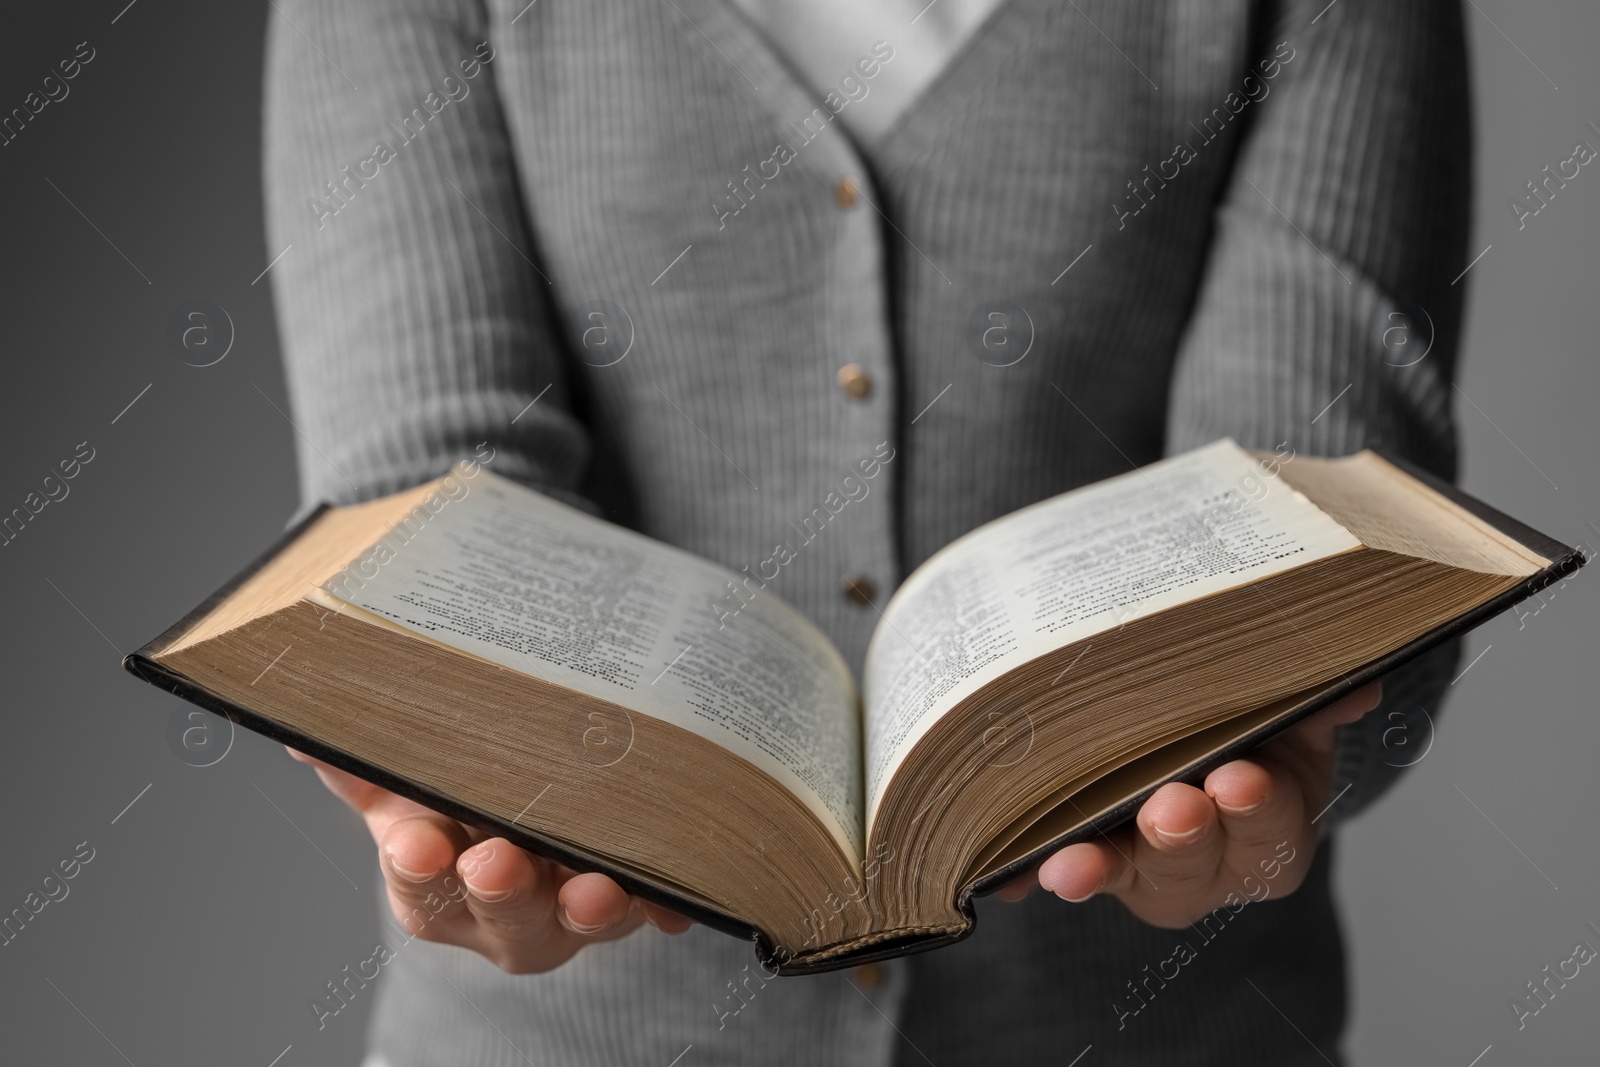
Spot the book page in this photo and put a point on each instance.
(1069, 568)
(507, 574)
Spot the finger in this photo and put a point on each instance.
(1086, 868)
(663, 919)
(417, 855)
(1261, 807)
(1178, 847)
(1319, 732)
(593, 906)
(379, 807)
(517, 918)
(356, 792)
(374, 803)
(1307, 751)
(1019, 887)
(510, 895)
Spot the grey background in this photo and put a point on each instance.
(219, 903)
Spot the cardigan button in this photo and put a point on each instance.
(844, 193)
(854, 381)
(868, 975)
(859, 590)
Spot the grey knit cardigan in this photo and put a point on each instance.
(621, 242)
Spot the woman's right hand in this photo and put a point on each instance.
(449, 883)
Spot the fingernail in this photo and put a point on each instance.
(1178, 839)
(579, 928)
(1087, 896)
(1249, 809)
(491, 896)
(406, 873)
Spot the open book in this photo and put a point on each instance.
(584, 690)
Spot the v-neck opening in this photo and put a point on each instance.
(975, 42)
(778, 60)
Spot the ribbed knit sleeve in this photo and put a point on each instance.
(413, 319)
(1349, 202)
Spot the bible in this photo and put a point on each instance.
(582, 690)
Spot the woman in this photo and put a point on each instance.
(683, 263)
